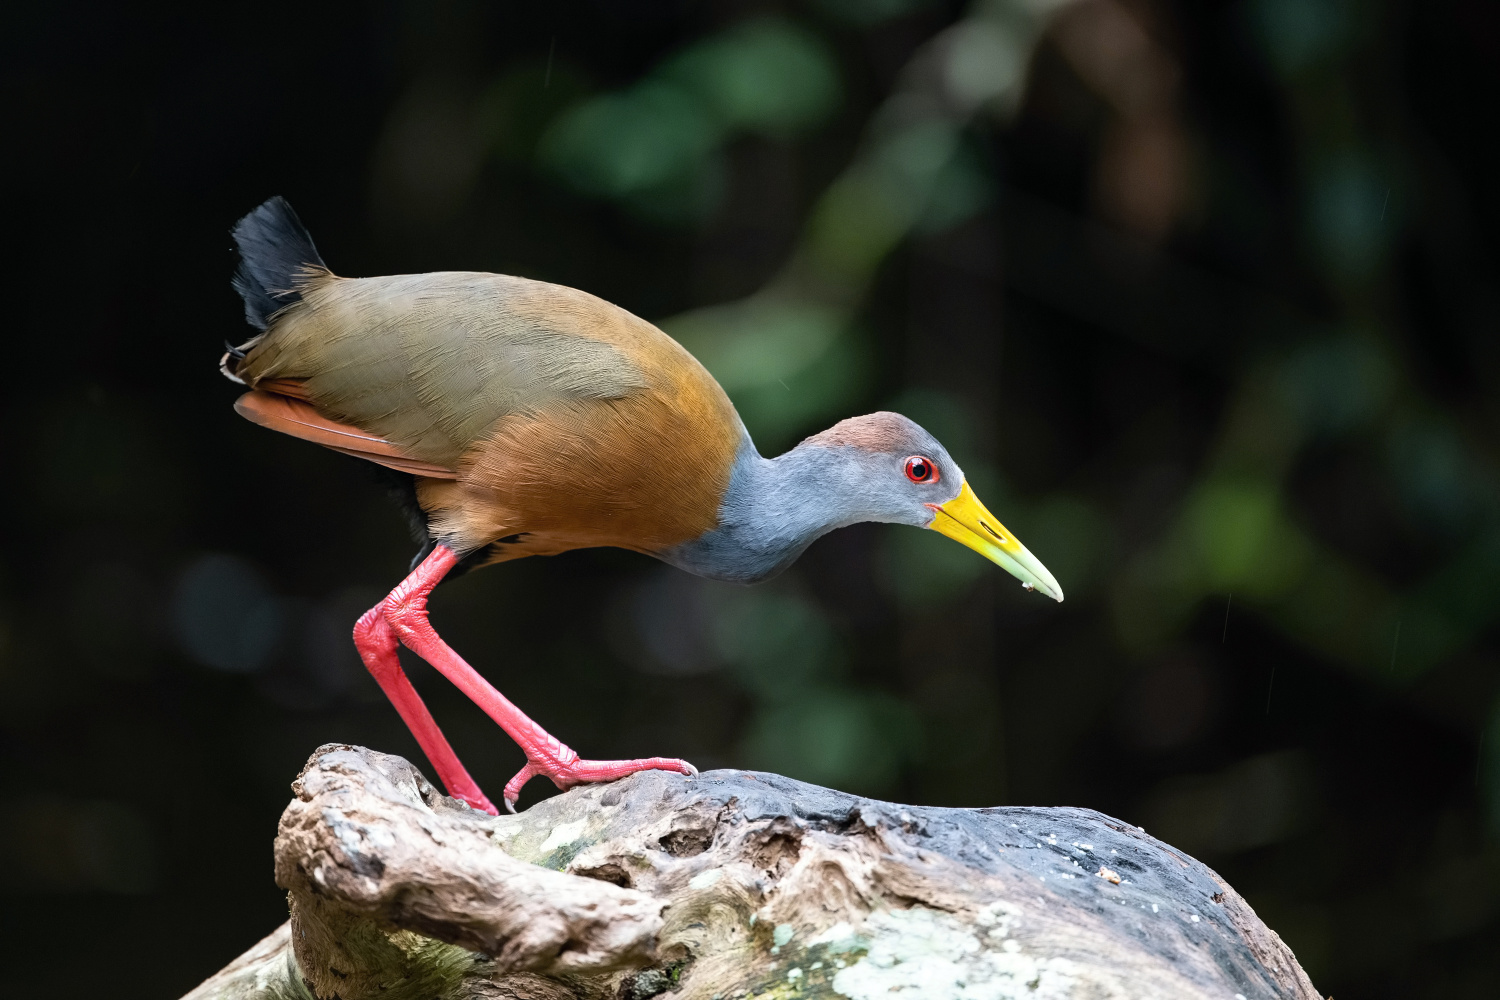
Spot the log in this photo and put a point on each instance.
(733, 884)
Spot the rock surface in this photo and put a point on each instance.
(734, 884)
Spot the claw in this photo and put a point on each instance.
(512, 793)
(510, 806)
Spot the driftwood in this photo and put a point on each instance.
(728, 885)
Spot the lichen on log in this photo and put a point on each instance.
(733, 884)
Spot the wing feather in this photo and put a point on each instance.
(431, 362)
(298, 418)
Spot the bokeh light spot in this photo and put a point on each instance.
(225, 616)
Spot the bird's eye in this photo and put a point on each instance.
(921, 470)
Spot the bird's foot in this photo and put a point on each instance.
(568, 769)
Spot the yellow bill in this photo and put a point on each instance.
(965, 520)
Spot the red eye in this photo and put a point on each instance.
(921, 470)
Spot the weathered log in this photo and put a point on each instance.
(728, 885)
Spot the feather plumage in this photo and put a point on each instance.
(523, 407)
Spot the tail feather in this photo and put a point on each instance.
(276, 254)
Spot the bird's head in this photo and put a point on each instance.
(884, 467)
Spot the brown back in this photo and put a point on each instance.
(559, 414)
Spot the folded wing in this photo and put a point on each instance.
(295, 417)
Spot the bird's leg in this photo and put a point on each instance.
(377, 645)
(406, 612)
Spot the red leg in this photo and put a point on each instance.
(377, 645)
(406, 612)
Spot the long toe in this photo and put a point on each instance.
(609, 770)
(580, 772)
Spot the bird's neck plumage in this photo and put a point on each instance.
(773, 509)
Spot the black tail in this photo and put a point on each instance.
(275, 252)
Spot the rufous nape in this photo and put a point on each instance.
(524, 418)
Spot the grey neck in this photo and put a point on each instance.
(773, 510)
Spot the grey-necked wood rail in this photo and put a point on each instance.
(526, 419)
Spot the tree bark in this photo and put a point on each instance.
(728, 885)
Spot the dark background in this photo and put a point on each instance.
(1202, 295)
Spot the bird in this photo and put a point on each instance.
(521, 418)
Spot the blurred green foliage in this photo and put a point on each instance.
(808, 720)
(1199, 296)
(794, 354)
(654, 146)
